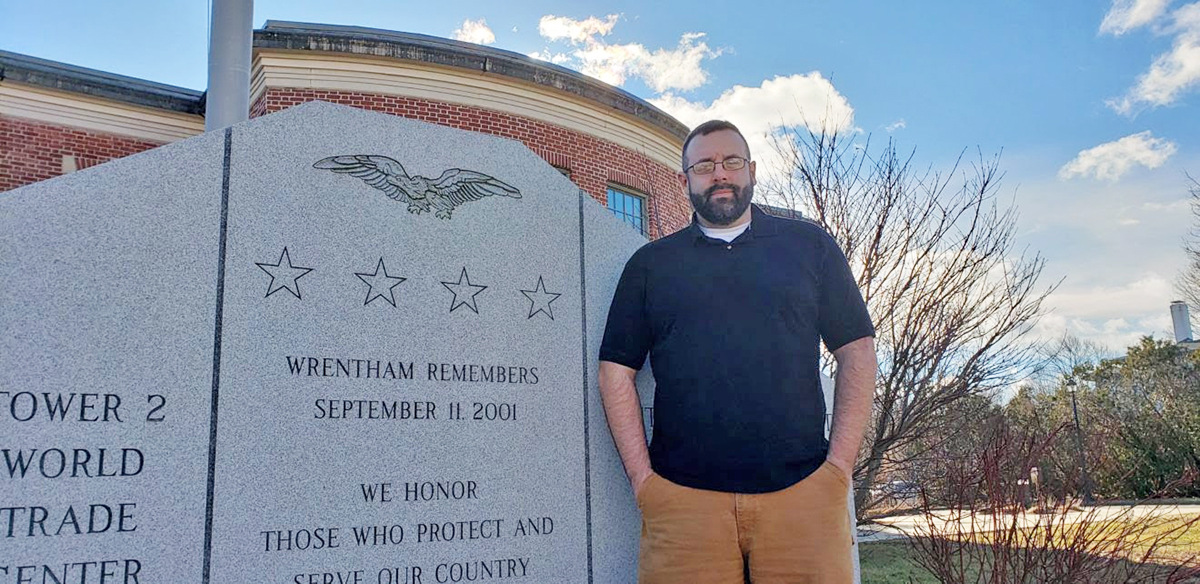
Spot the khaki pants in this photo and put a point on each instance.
(800, 534)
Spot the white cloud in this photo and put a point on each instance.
(1172, 73)
(1108, 271)
(795, 101)
(556, 28)
(897, 125)
(680, 68)
(1115, 325)
(1128, 222)
(1126, 15)
(1180, 206)
(662, 70)
(611, 64)
(475, 31)
(1111, 160)
(1148, 293)
(1114, 315)
(546, 55)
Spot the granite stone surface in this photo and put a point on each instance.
(615, 514)
(108, 282)
(325, 345)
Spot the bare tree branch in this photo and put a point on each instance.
(1188, 283)
(933, 254)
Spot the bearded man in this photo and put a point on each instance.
(738, 477)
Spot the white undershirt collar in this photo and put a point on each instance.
(726, 234)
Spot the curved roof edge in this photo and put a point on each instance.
(54, 75)
(357, 40)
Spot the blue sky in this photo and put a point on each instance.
(1093, 103)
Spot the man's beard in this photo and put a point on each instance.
(724, 211)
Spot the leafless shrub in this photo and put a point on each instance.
(983, 532)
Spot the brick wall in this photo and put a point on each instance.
(593, 163)
(33, 151)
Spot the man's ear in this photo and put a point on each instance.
(683, 182)
(753, 180)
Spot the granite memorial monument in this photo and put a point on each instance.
(322, 346)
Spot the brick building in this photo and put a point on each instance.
(57, 118)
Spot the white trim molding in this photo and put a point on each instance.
(64, 108)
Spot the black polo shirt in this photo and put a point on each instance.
(732, 330)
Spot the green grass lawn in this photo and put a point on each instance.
(890, 562)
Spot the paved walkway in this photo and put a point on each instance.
(901, 526)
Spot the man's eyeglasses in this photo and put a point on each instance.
(707, 167)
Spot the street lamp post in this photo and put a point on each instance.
(1087, 480)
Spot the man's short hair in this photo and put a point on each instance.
(709, 127)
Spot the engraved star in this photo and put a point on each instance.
(464, 292)
(540, 299)
(283, 275)
(380, 284)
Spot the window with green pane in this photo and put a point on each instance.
(629, 207)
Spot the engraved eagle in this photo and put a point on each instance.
(441, 195)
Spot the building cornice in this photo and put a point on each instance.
(17, 68)
(298, 36)
(347, 58)
(337, 72)
(121, 118)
